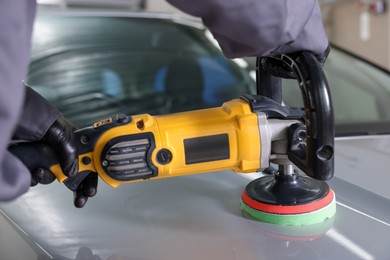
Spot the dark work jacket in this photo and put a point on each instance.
(24, 115)
(241, 27)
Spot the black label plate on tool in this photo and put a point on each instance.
(206, 148)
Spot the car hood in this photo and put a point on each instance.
(199, 217)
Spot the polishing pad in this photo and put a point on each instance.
(304, 201)
(290, 233)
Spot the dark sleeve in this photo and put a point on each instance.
(16, 18)
(15, 178)
(260, 27)
(36, 118)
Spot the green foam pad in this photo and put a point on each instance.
(303, 219)
(293, 233)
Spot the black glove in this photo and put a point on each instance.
(42, 122)
(60, 136)
(85, 190)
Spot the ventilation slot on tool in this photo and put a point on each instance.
(125, 159)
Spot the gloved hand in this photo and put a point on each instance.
(85, 190)
(41, 122)
(60, 136)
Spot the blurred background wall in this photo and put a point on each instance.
(160, 6)
(362, 27)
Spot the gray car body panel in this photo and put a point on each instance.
(199, 217)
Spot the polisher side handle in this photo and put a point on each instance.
(315, 156)
(318, 161)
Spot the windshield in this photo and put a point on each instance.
(94, 67)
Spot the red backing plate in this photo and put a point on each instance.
(288, 210)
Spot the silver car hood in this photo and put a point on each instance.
(199, 217)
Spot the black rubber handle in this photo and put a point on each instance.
(317, 158)
(268, 85)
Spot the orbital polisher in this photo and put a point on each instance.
(244, 135)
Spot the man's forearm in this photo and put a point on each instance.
(260, 27)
